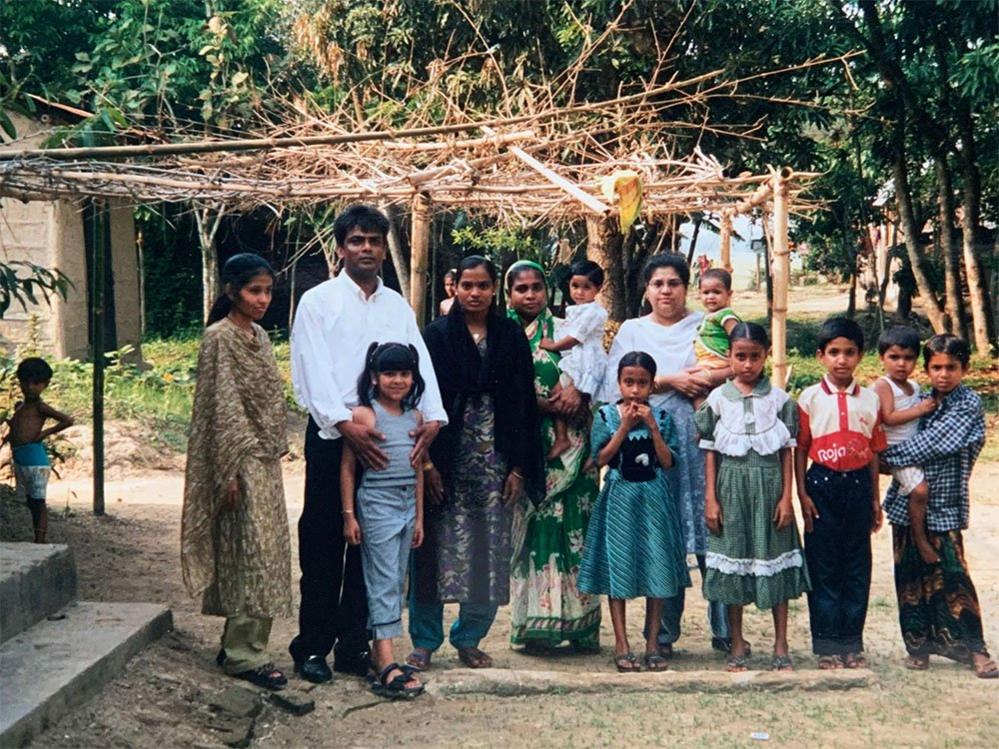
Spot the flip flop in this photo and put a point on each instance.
(474, 658)
(626, 663)
(830, 663)
(737, 664)
(988, 671)
(854, 660)
(419, 659)
(655, 662)
(781, 663)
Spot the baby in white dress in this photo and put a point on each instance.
(580, 341)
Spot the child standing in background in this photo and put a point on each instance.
(581, 340)
(938, 607)
(389, 503)
(27, 435)
(901, 409)
(840, 433)
(748, 428)
(634, 546)
(712, 345)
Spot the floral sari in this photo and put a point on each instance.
(546, 606)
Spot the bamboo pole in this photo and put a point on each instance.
(726, 240)
(781, 275)
(98, 270)
(419, 249)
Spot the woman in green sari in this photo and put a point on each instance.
(546, 606)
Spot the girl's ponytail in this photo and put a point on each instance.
(365, 390)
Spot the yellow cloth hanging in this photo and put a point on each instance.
(627, 186)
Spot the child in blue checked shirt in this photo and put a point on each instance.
(938, 608)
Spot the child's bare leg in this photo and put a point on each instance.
(561, 443)
(39, 519)
(918, 501)
(780, 629)
(653, 617)
(737, 654)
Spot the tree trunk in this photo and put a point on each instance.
(396, 250)
(984, 330)
(208, 219)
(951, 252)
(693, 240)
(604, 246)
(910, 231)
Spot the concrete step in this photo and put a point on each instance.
(36, 580)
(58, 664)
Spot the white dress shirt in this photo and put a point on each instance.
(334, 326)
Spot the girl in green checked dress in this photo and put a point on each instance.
(747, 428)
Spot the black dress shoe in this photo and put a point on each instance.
(355, 664)
(314, 669)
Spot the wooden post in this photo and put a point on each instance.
(97, 346)
(419, 247)
(781, 275)
(726, 240)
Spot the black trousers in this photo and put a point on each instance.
(334, 606)
(838, 552)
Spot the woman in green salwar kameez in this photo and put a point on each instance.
(546, 606)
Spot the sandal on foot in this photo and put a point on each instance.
(474, 658)
(988, 670)
(419, 659)
(396, 688)
(854, 660)
(265, 676)
(781, 663)
(655, 662)
(737, 663)
(666, 651)
(830, 663)
(917, 662)
(626, 663)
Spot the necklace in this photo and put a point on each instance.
(477, 337)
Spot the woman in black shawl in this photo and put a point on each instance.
(481, 463)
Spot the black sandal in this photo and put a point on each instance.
(396, 689)
(265, 676)
(655, 662)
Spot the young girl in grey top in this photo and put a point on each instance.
(384, 514)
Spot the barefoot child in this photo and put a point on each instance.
(712, 345)
(938, 608)
(27, 435)
(634, 546)
(387, 517)
(901, 409)
(747, 427)
(582, 336)
(840, 433)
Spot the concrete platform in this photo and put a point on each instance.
(513, 683)
(56, 665)
(36, 580)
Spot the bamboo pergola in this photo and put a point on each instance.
(540, 166)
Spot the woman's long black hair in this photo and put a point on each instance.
(390, 357)
(237, 272)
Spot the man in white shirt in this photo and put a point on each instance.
(335, 323)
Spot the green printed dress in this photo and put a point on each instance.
(546, 605)
(751, 561)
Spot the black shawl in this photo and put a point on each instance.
(506, 373)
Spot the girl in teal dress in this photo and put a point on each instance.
(634, 545)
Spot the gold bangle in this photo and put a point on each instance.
(346, 512)
(428, 466)
(518, 474)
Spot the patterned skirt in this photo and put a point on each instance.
(752, 561)
(938, 607)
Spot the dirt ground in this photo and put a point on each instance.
(161, 700)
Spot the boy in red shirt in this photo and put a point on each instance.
(841, 434)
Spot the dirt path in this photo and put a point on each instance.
(132, 555)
